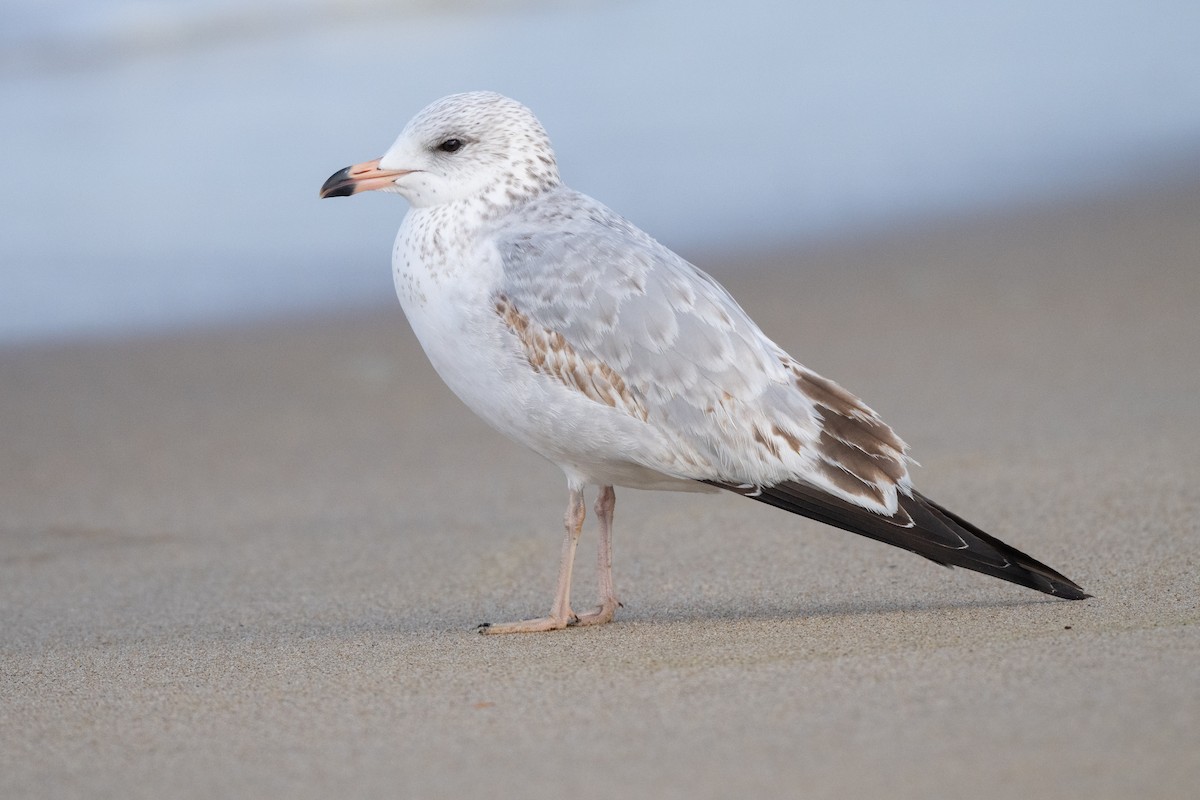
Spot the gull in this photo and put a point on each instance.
(574, 333)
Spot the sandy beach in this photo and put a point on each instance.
(249, 562)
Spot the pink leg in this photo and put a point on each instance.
(605, 503)
(560, 613)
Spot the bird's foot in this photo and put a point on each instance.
(538, 625)
(599, 615)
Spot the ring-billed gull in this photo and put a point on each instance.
(576, 334)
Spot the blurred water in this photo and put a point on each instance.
(163, 158)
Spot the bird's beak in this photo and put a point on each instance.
(360, 178)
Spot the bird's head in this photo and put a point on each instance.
(477, 144)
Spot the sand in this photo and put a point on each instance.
(249, 562)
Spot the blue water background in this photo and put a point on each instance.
(161, 160)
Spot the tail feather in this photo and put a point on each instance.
(935, 533)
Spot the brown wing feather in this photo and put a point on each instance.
(857, 453)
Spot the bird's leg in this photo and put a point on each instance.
(605, 502)
(560, 613)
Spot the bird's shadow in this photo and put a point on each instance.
(439, 621)
(711, 612)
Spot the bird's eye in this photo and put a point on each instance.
(450, 145)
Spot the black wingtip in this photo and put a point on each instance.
(1021, 568)
(935, 533)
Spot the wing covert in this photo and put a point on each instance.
(648, 326)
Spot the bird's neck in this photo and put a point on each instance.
(504, 197)
(436, 243)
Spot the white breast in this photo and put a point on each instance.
(444, 287)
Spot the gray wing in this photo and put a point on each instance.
(614, 314)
